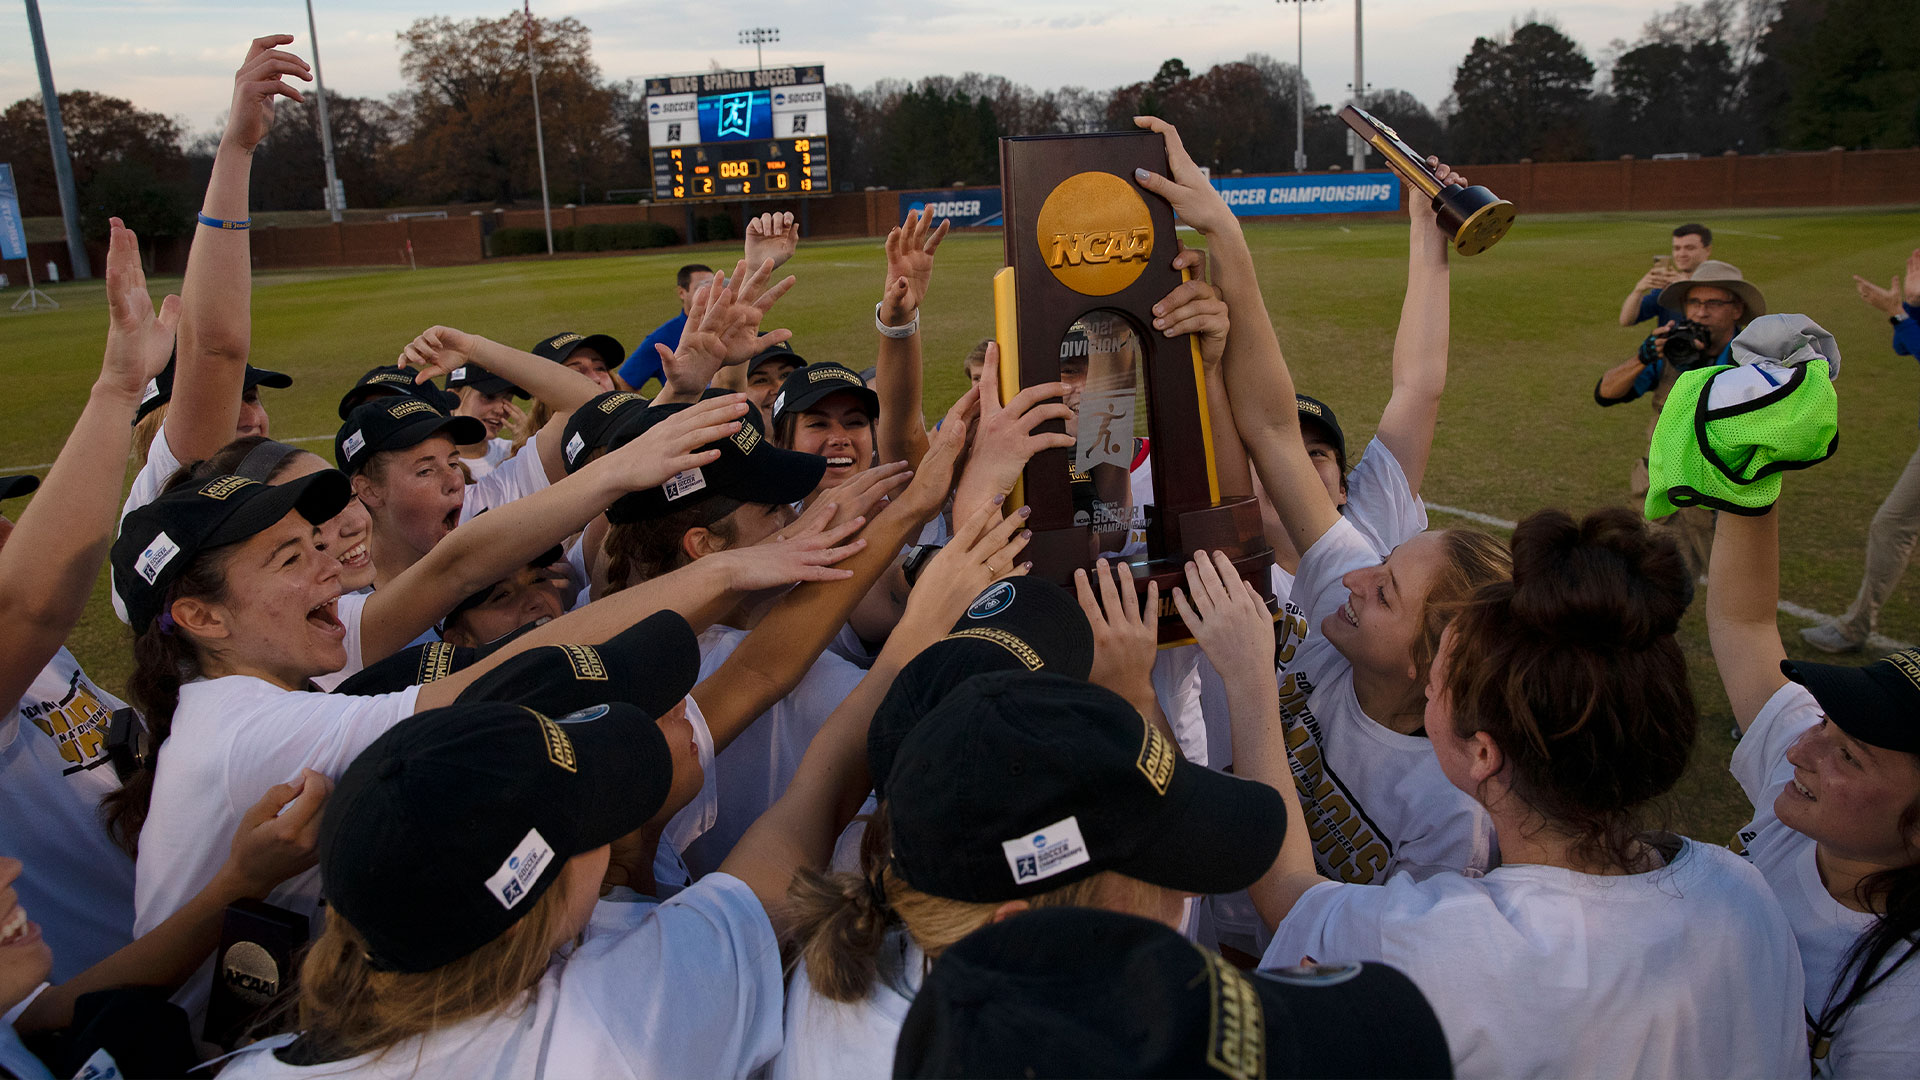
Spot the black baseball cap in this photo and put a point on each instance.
(591, 426)
(1317, 412)
(445, 831)
(562, 345)
(1020, 782)
(750, 469)
(415, 665)
(473, 600)
(1879, 704)
(12, 487)
(482, 380)
(159, 540)
(650, 665)
(1019, 624)
(390, 380)
(783, 353)
(1087, 992)
(805, 387)
(395, 424)
(159, 389)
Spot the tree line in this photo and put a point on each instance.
(1749, 76)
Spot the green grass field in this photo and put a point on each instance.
(1533, 326)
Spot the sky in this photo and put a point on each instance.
(178, 56)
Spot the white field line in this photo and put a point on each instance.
(1879, 642)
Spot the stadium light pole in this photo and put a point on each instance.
(758, 36)
(57, 139)
(1299, 83)
(326, 128)
(539, 137)
(1359, 94)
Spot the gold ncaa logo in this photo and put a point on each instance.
(1095, 233)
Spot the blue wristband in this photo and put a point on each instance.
(221, 223)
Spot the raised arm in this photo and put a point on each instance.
(1652, 281)
(771, 238)
(1258, 384)
(216, 326)
(48, 565)
(1420, 344)
(722, 333)
(1743, 618)
(799, 829)
(899, 367)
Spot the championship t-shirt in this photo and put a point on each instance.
(75, 883)
(1880, 1035)
(686, 988)
(832, 1040)
(755, 768)
(232, 739)
(1684, 971)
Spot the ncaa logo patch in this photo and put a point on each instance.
(992, 602)
(1041, 854)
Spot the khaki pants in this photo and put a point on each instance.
(1691, 527)
(1890, 541)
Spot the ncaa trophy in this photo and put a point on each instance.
(1088, 254)
(1473, 217)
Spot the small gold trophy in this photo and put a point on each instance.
(1475, 217)
(1089, 252)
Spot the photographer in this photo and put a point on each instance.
(1716, 303)
(1692, 246)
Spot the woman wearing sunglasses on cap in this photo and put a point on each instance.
(1352, 691)
(1599, 947)
(483, 984)
(54, 759)
(1830, 757)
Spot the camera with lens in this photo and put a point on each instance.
(1687, 344)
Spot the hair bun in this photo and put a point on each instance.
(1608, 580)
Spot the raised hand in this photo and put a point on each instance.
(1229, 620)
(933, 482)
(672, 446)
(723, 327)
(771, 237)
(910, 251)
(1193, 198)
(440, 350)
(139, 342)
(1007, 439)
(1886, 301)
(985, 548)
(1194, 307)
(862, 495)
(255, 86)
(794, 556)
(279, 836)
(1428, 241)
(1125, 638)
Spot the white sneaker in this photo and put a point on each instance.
(1829, 638)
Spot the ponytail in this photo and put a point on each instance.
(1896, 895)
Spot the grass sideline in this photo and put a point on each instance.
(1533, 327)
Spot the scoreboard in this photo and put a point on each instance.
(739, 134)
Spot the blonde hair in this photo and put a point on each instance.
(347, 1007)
(537, 418)
(144, 431)
(840, 920)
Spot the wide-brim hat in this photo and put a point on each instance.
(1720, 275)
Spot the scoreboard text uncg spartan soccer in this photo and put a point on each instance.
(739, 134)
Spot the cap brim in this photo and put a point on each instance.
(625, 768)
(783, 476)
(1349, 1020)
(273, 380)
(318, 497)
(463, 430)
(650, 665)
(1854, 701)
(1220, 836)
(495, 384)
(12, 487)
(815, 393)
(784, 356)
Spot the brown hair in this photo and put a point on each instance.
(347, 1007)
(1473, 560)
(537, 416)
(840, 920)
(1573, 670)
(976, 355)
(642, 550)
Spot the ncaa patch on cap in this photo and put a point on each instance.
(991, 602)
(509, 883)
(1053, 850)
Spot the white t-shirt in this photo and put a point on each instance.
(498, 451)
(686, 988)
(161, 464)
(670, 873)
(516, 478)
(232, 739)
(1685, 971)
(1880, 1035)
(348, 610)
(842, 1040)
(755, 768)
(53, 773)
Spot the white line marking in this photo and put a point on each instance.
(9, 470)
(1877, 641)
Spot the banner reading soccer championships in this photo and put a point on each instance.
(13, 238)
(967, 208)
(1264, 196)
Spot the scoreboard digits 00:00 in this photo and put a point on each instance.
(741, 169)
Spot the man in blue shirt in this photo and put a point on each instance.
(1719, 299)
(643, 364)
(1896, 524)
(1692, 245)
